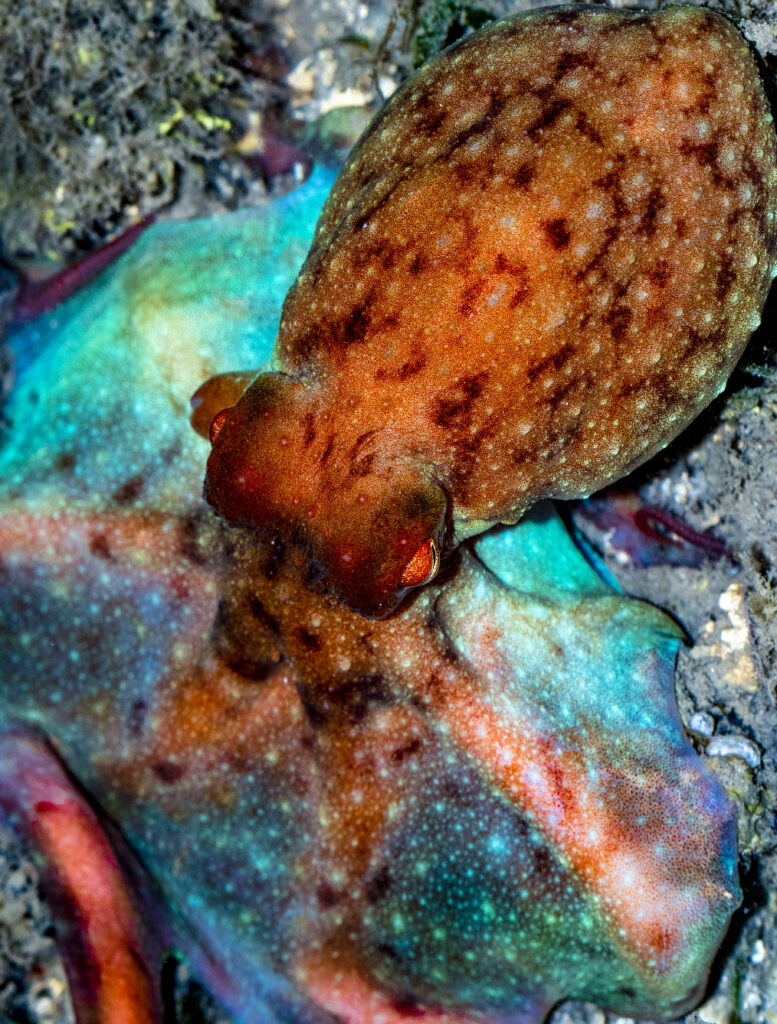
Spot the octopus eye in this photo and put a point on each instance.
(218, 422)
(422, 567)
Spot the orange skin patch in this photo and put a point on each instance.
(539, 264)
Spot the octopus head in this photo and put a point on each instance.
(371, 518)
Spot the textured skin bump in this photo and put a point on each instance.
(541, 261)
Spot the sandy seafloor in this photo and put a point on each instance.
(721, 475)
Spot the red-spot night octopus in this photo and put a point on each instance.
(541, 261)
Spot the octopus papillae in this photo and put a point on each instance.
(355, 757)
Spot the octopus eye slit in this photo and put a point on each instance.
(422, 567)
(218, 422)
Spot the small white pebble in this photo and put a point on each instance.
(734, 746)
(702, 722)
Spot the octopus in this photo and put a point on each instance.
(469, 811)
(541, 261)
(338, 801)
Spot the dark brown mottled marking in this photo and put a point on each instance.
(408, 1006)
(353, 328)
(753, 174)
(327, 896)
(555, 360)
(369, 251)
(570, 62)
(502, 265)
(431, 125)
(168, 771)
(405, 371)
(469, 447)
(309, 640)
(485, 123)
(520, 272)
(363, 173)
(611, 233)
(565, 17)
(129, 491)
(524, 175)
(760, 211)
(655, 203)
(136, 719)
(696, 341)
(65, 462)
(706, 153)
(557, 395)
(472, 293)
(363, 467)
(99, 546)
(252, 666)
(409, 748)
(376, 207)
(418, 265)
(467, 173)
(585, 127)
(274, 562)
(557, 232)
(189, 540)
(457, 406)
(360, 441)
(725, 277)
(309, 431)
(330, 447)
(260, 613)
(693, 341)
(548, 117)
(659, 273)
(388, 323)
(305, 345)
(634, 387)
(618, 320)
(378, 884)
(317, 715)
(612, 183)
(462, 258)
(411, 368)
(352, 699)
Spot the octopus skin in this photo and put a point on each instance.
(471, 810)
(540, 262)
(468, 810)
